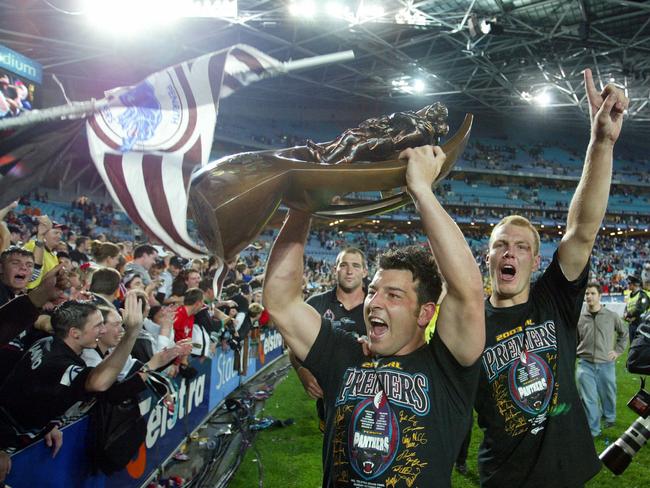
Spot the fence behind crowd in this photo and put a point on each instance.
(196, 400)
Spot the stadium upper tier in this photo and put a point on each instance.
(560, 159)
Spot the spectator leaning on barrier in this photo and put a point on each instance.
(108, 341)
(51, 378)
(597, 354)
(184, 321)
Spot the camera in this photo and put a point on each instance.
(617, 456)
(640, 403)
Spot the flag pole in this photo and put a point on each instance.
(72, 110)
(318, 61)
(83, 109)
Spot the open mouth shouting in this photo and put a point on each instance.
(378, 327)
(507, 273)
(20, 280)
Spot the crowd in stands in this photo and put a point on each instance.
(563, 160)
(15, 97)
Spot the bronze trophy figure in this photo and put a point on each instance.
(232, 199)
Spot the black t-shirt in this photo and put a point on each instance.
(47, 381)
(6, 294)
(397, 421)
(536, 432)
(329, 307)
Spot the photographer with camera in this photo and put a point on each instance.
(618, 455)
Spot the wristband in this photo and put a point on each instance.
(145, 369)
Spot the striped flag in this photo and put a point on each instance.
(149, 138)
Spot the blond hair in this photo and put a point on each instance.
(518, 221)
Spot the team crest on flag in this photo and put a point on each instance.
(146, 118)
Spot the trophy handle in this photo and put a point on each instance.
(453, 148)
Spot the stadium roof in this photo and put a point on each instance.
(533, 47)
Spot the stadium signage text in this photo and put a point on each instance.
(21, 65)
(225, 369)
(272, 340)
(161, 421)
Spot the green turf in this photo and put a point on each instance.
(291, 456)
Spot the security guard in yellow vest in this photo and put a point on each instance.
(637, 304)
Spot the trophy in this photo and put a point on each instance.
(232, 199)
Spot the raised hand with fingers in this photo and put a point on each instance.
(44, 225)
(4, 211)
(132, 312)
(606, 109)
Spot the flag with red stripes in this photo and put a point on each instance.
(149, 138)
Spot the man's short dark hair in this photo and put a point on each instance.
(177, 262)
(82, 239)
(11, 250)
(62, 254)
(419, 261)
(72, 313)
(205, 284)
(351, 250)
(143, 249)
(192, 296)
(231, 290)
(105, 281)
(595, 285)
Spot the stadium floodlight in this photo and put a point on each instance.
(491, 26)
(303, 8)
(543, 99)
(409, 85)
(143, 14)
(338, 10)
(410, 16)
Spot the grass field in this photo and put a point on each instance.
(291, 456)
